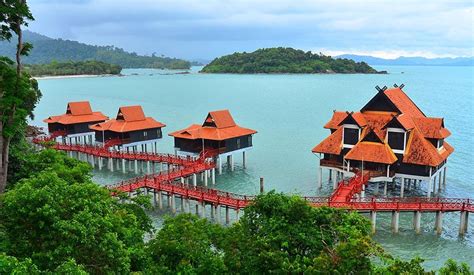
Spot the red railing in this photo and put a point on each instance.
(343, 196)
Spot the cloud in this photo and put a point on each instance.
(208, 28)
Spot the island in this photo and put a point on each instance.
(285, 61)
(47, 49)
(90, 67)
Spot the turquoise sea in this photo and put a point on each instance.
(289, 112)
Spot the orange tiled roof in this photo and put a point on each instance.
(129, 118)
(422, 152)
(336, 119)
(330, 145)
(431, 127)
(419, 150)
(403, 102)
(372, 152)
(218, 125)
(77, 112)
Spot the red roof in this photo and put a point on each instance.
(331, 145)
(337, 118)
(372, 152)
(419, 127)
(403, 102)
(218, 125)
(129, 118)
(77, 112)
(422, 152)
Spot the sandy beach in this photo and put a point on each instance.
(72, 76)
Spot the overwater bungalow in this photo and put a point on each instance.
(218, 134)
(130, 130)
(73, 126)
(390, 137)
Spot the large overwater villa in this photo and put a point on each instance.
(130, 130)
(218, 134)
(390, 137)
(73, 126)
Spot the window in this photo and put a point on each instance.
(145, 133)
(440, 143)
(351, 135)
(250, 141)
(396, 139)
(238, 143)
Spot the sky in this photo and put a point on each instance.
(205, 29)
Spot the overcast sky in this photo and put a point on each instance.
(208, 28)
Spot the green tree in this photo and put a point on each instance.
(187, 244)
(281, 233)
(51, 221)
(18, 92)
(451, 267)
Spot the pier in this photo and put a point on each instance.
(179, 181)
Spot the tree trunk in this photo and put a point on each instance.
(4, 165)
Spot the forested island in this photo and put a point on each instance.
(47, 49)
(285, 60)
(91, 67)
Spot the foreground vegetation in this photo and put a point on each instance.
(54, 219)
(48, 49)
(73, 68)
(284, 60)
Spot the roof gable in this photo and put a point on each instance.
(131, 113)
(79, 108)
(381, 102)
(219, 119)
(354, 118)
(371, 136)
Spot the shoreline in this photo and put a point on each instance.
(74, 76)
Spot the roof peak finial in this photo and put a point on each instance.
(380, 90)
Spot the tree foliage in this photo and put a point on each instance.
(47, 50)
(284, 60)
(55, 216)
(73, 68)
(187, 244)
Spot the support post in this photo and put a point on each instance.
(402, 187)
(430, 182)
(320, 178)
(227, 216)
(148, 170)
(444, 176)
(417, 222)
(213, 176)
(160, 199)
(194, 179)
(173, 204)
(439, 222)
(385, 188)
(262, 190)
(463, 223)
(205, 177)
(136, 166)
(244, 165)
(395, 221)
(218, 214)
(373, 220)
(123, 166)
(232, 163)
(219, 161)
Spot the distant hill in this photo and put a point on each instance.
(284, 60)
(47, 49)
(411, 61)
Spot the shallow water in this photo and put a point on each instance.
(289, 112)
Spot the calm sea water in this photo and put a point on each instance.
(289, 112)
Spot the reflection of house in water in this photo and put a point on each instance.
(390, 137)
(73, 126)
(130, 129)
(219, 135)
